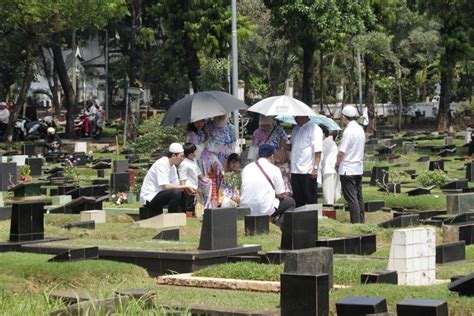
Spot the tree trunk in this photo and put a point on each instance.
(27, 78)
(69, 95)
(447, 74)
(52, 79)
(308, 66)
(135, 49)
(321, 80)
(369, 95)
(400, 104)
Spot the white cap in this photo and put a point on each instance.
(349, 111)
(176, 148)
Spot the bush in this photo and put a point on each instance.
(435, 177)
(155, 137)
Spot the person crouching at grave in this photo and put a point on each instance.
(161, 185)
(330, 178)
(190, 174)
(263, 189)
(229, 191)
(53, 142)
(349, 163)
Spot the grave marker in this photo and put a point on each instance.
(77, 254)
(463, 286)
(119, 166)
(299, 230)
(360, 306)
(36, 166)
(119, 182)
(422, 307)
(451, 252)
(28, 150)
(256, 224)
(379, 175)
(27, 221)
(219, 229)
(317, 260)
(8, 175)
(380, 276)
(458, 203)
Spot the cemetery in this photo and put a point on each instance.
(74, 238)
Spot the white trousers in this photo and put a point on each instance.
(331, 188)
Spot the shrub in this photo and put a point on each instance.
(155, 137)
(435, 177)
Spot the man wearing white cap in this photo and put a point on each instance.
(350, 163)
(161, 184)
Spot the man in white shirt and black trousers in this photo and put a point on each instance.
(306, 147)
(350, 163)
(161, 184)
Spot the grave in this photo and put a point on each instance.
(119, 166)
(80, 147)
(412, 255)
(98, 216)
(24, 189)
(448, 140)
(420, 191)
(360, 306)
(463, 286)
(299, 230)
(379, 175)
(101, 165)
(436, 165)
(457, 203)
(304, 294)
(234, 259)
(455, 251)
(28, 150)
(80, 204)
(81, 224)
(219, 229)
(360, 245)
(459, 232)
(372, 206)
(380, 276)
(8, 175)
(401, 221)
(408, 148)
(101, 173)
(168, 234)
(470, 171)
(60, 199)
(256, 225)
(423, 159)
(36, 166)
(422, 307)
(460, 218)
(20, 160)
(27, 221)
(77, 254)
(274, 257)
(317, 260)
(455, 185)
(119, 182)
(163, 221)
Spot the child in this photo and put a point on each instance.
(229, 193)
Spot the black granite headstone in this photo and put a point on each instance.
(256, 224)
(318, 260)
(451, 252)
(168, 234)
(219, 229)
(460, 218)
(470, 171)
(417, 307)
(36, 165)
(101, 173)
(372, 206)
(463, 286)
(299, 230)
(434, 165)
(27, 221)
(77, 254)
(360, 306)
(119, 166)
(361, 245)
(304, 294)
(8, 175)
(380, 276)
(368, 244)
(28, 149)
(379, 175)
(455, 185)
(119, 182)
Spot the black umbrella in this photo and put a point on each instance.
(200, 106)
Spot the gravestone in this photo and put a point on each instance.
(36, 166)
(98, 216)
(28, 189)
(20, 160)
(453, 233)
(463, 286)
(168, 234)
(28, 150)
(360, 306)
(101, 173)
(379, 175)
(8, 175)
(451, 252)
(119, 166)
(455, 185)
(422, 307)
(360, 245)
(372, 206)
(219, 229)
(380, 276)
(412, 255)
(119, 182)
(458, 203)
(470, 171)
(408, 148)
(304, 294)
(80, 147)
(448, 140)
(436, 165)
(27, 221)
(299, 230)
(101, 165)
(77, 254)
(460, 218)
(256, 224)
(317, 260)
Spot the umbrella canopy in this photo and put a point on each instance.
(200, 106)
(319, 119)
(282, 105)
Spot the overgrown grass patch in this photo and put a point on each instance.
(244, 271)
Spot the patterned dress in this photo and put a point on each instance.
(261, 137)
(222, 141)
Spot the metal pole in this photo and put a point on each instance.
(126, 114)
(359, 68)
(106, 60)
(74, 61)
(235, 70)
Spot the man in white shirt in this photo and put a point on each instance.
(331, 183)
(306, 147)
(263, 189)
(4, 117)
(350, 163)
(161, 185)
(189, 174)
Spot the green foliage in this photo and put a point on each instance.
(25, 170)
(243, 270)
(435, 177)
(155, 137)
(214, 74)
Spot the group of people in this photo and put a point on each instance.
(92, 118)
(206, 172)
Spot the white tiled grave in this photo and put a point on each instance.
(80, 147)
(413, 255)
(19, 159)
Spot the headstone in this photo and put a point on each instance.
(101, 165)
(422, 307)
(20, 160)
(299, 230)
(457, 203)
(380, 276)
(101, 173)
(317, 260)
(304, 294)
(372, 206)
(463, 286)
(28, 150)
(77, 254)
(27, 221)
(436, 165)
(168, 234)
(470, 171)
(460, 219)
(360, 306)
(98, 216)
(81, 224)
(119, 166)
(256, 224)
(80, 147)
(451, 252)
(36, 166)
(413, 255)
(219, 229)
(163, 221)
(453, 233)
(408, 148)
(401, 221)
(420, 191)
(360, 245)
(379, 175)
(119, 182)
(8, 175)
(455, 185)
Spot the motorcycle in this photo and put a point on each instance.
(26, 129)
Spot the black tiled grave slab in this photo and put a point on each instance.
(234, 259)
(380, 276)
(299, 230)
(401, 221)
(466, 233)
(101, 173)
(78, 205)
(379, 175)
(105, 182)
(169, 234)
(5, 213)
(360, 306)
(83, 224)
(77, 254)
(256, 224)
(101, 165)
(318, 260)
(460, 218)
(368, 244)
(36, 165)
(372, 206)
(463, 285)
(420, 191)
(8, 174)
(18, 246)
(418, 307)
(219, 229)
(27, 222)
(455, 185)
(304, 294)
(451, 252)
(119, 182)
(62, 189)
(360, 245)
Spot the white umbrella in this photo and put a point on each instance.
(319, 119)
(281, 105)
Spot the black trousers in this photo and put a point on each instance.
(305, 189)
(172, 198)
(287, 204)
(352, 191)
